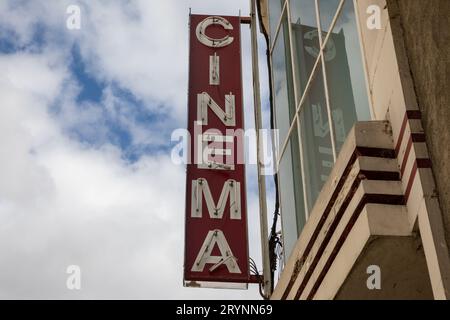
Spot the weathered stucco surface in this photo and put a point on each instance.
(403, 271)
(426, 27)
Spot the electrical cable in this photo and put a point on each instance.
(274, 239)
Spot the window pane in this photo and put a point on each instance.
(345, 75)
(347, 93)
(291, 194)
(305, 39)
(282, 83)
(327, 10)
(318, 154)
(275, 7)
(303, 12)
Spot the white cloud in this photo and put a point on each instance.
(63, 202)
(144, 46)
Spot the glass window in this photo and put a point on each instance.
(305, 40)
(291, 198)
(275, 7)
(345, 75)
(303, 12)
(282, 82)
(316, 137)
(327, 10)
(337, 90)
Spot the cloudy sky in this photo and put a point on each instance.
(86, 176)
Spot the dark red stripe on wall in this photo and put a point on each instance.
(400, 136)
(385, 199)
(414, 114)
(368, 198)
(406, 156)
(409, 115)
(359, 151)
(418, 164)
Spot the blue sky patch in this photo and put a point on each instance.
(11, 43)
(8, 41)
(95, 123)
(113, 123)
(91, 88)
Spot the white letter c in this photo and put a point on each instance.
(212, 42)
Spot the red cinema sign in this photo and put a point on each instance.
(216, 244)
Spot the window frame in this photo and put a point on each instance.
(300, 98)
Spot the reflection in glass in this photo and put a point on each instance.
(282, 83)
(275, 7)
(347, 99)
(345, 76)
(305, 39)
(303, 12)
(318, 154)
(327, 10)
(291, 197)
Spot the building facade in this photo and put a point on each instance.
(360, 99)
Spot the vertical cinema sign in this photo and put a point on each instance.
(216, 246)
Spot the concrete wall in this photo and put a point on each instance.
(426, 31)
(403, 269)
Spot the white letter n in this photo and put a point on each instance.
(227, 117)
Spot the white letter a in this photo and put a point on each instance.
(204, 256)
(74, 280)
(374, 21)
(74, 20)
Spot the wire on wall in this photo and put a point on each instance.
(274, 238)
